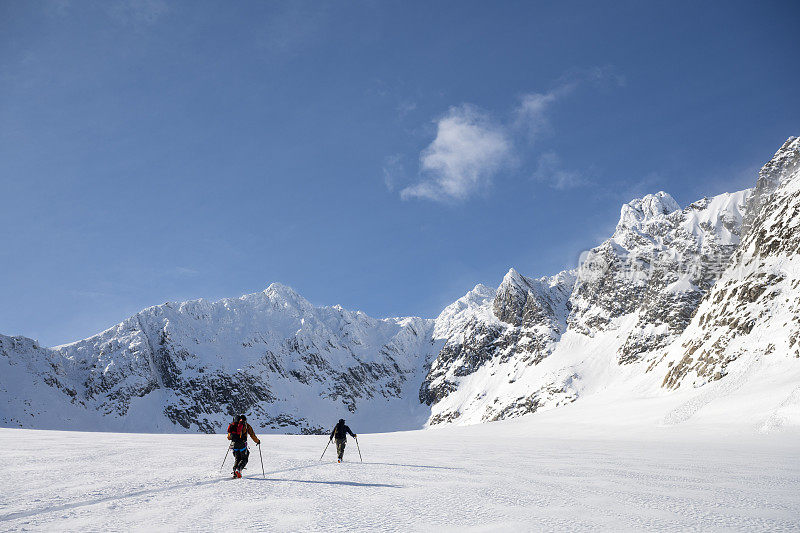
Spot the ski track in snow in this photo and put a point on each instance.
(502, 476)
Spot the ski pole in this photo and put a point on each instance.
(359, 450)
(262, 460)
(325, 450)
(226, 456)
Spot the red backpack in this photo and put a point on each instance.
(238, 429)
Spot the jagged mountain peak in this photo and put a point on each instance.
(198, 362)
(284, 292)
(649, 207)
(779, 168)
(513, 279)
(783, 164)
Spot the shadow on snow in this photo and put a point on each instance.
(146, 492)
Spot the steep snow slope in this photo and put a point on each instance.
(190, 366)
(35, 390)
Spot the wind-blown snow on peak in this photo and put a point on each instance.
(476, 305)
(719, 217)
(641, 210)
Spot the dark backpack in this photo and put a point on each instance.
(340, 431)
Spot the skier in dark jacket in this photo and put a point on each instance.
(238, 430)
(340, 432)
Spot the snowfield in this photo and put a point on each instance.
(530, 474)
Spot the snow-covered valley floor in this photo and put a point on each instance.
(514, 475)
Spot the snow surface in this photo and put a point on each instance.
(553, 472)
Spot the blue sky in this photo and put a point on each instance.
(385, 156)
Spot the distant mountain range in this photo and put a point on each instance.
(698, 305)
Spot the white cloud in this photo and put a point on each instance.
(551, 172)
(467, 152)
(392, 170)
(470, 148)
(531, 113)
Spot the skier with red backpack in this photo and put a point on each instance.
(238, 430)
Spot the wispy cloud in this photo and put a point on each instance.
(467, 152)
(393, 171)
(186, 271)
(551, 172)
(470, 147)
(531, 113)
(405, 107)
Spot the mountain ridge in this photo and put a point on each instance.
(644, 313)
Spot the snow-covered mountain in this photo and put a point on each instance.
(509, 353)
(698, 304)
(490, 337)
(657, 265)
(191, 365)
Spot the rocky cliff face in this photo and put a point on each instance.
(753, 311)
(657, 265)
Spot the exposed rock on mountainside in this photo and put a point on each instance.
(658, 264)
(754, 309)
(516, 325)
